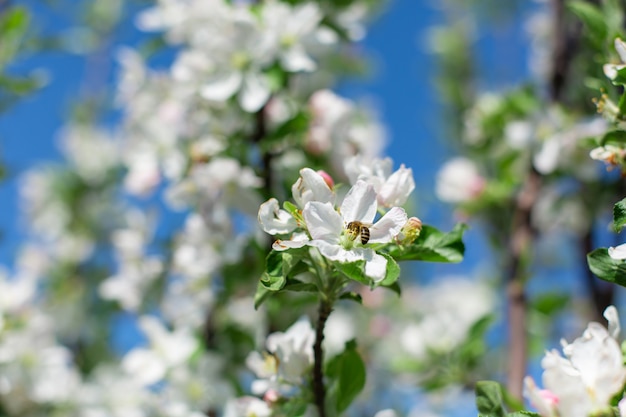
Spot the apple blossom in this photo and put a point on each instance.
(311, 186)
(610, 70)
(290, 357)
(584, 381)
(458, 181)
(618, 252)
(392, 188)
(247, 407)
(275, 220)
(328, 230)
(167, 350)
(441, 314)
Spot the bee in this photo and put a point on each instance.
(357, 228)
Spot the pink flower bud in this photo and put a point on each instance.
(271, 396)
(549, 397)
(327, 178)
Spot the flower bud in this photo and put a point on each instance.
(410, 231)
(271, 396)
(312, 186)
(327, 178)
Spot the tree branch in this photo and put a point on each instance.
(520, 240)
(319, 389)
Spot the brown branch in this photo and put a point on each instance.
(519, 244)
(319, 391)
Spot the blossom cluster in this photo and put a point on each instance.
(347, 233)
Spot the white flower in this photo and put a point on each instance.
(15, 294)
(236, 63)
(610, 70)
(291, 356)
(560, 149)
(143, 173)
(583, 382)
(311, 186)
(618, 252)
(459, 181)
(290, 28)
(274, 220)
(392, 189)
(328, 228)
(518, 134)
(167, 350)
(444, 313)
(247, 407)
(609, 154)
(94, 153)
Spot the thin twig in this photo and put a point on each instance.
(319, 389)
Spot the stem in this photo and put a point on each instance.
(266, 157)
(319, 390)
(519, 243)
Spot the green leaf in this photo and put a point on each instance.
(617, 137)
(619, 215)
(433, 246)
(354, 271)
(347, 374)
(607, 268)
(273, 278)
(395, 287)
(489, 399)
(393, 271)
(280, 268)
(523, 413)
(591, 16)
(299, 286)
(350, 295)
(550, 303)
(262, 293)
(621, 105)
(13, 26)
(620, 78)
(276, 78)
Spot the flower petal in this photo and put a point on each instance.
(274, 220)
(610, 314)
(397, 188)
(322, 221)
(618, 252)
(311, 186)
(360, 203)
(222, 86)
(620, 47)
(297, 240)
(295, 59)
(376, 267)
(254, 93)
(388, 227)
(336, 252)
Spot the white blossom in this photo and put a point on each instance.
(459, 181)
(584, 381)
(610, 70)
(327, 228)
(392, 188)
(167, 350)
(290, 357)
